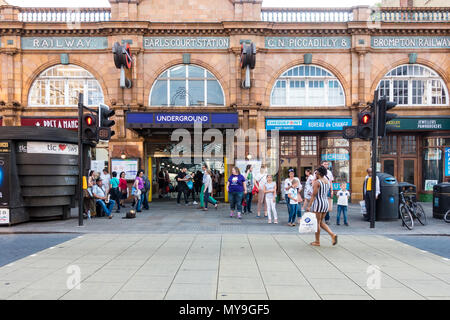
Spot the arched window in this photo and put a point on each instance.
(413, 84)
(307, 85)
(187, 85)
(61, 84)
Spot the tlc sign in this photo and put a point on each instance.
(62, 123)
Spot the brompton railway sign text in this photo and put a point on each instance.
(186, 42)
(414, 42)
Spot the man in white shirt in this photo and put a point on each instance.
(99, 193)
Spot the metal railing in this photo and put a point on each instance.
(306, 14)
(411, 14)
(64, 14)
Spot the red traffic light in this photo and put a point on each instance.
(366, 119)
(89, 120)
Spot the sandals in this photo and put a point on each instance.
(335, 241)
(315, 244)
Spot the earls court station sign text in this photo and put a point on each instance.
(186, 42)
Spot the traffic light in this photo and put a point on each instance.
(384, 117)
(104, 123)
(89, 128)
(123, 60)
(365, 125)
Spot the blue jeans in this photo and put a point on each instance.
(108, 209)
(342, 209)
(139, 202)
(236, 201)
(292, 212)
(299, 208)
(145, 200)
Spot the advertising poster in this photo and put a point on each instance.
(447, 162)
(4, 216)
(4, 173)
(242, 164)
(129, 166)
(48, 148)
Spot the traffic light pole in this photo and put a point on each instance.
(373, 200)
(80, 160)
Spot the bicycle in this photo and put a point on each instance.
(447, 216)
(405, 212)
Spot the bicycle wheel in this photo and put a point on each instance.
(447, 216)
(406, 216)
(420, 214)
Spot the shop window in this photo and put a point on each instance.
(288, 146)
(307, 86)
(434, 161)
(308, 145)
(388, 145)
(336, 152)
(61, 85)
(187, 85)
(413, 85)
(408, 145)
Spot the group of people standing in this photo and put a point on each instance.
(104, 191)
(318, 195)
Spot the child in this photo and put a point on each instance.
(342, 203)
(270, 190)
(295, 198)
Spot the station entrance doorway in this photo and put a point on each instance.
(166, 163)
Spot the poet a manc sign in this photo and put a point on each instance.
(64, 43)
(413, 42)
(186, 42)
(343, 42)
(62, 123)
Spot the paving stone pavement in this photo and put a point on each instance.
(166, 217)
(227, 266)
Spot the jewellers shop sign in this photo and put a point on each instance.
(413, 42)
(186, 43)
(343, 42)
(433, 124)
(64, 43)
(61, 123)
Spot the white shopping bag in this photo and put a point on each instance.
(363, 207)
(308, 223)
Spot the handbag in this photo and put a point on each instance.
(190, 184)
(255, 190)
(308, 223)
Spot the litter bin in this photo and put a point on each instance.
(441, 199)
(387, 203)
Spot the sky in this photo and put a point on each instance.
(266, 3)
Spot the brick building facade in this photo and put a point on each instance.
(315, 70)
